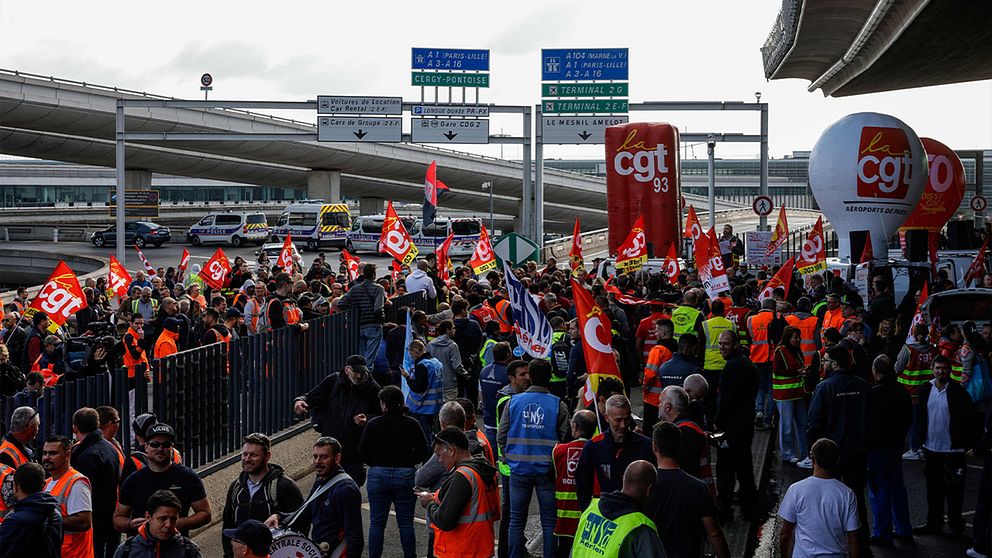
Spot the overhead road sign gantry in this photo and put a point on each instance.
(450, 130)
(446, 79)
(577, 129)
(450, 110)
(360, 129)
(619, 89)
(584, 106)
(577, 64)
(472, 60)
(347, 104)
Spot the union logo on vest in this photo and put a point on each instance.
(597, 531)
(533, 416)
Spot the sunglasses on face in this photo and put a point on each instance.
(157, 445)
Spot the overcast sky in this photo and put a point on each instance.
(679, 51)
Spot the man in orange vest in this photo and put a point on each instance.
(166, 345)
(462, 512)
(72, 490)
(5, 472)
(24, 424)
(806, 323)
(833, 316)
(758, 326)
(651, 385)
(566, 460)
(135, 358)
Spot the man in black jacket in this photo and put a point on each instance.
(468, 337)
(947, 407)
(341, 404)
(735, 418)
(96, 458)
(260, 491)
(839, 411)
(890, 414)
(33, 526)
(370, 299)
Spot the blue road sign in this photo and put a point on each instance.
(575, 64)
(450, 59)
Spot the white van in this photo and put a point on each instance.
(315, 223)
(234, 228)
(365, 232)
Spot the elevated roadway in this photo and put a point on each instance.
(71, 121)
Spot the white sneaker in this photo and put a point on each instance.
(972, 553)
(806, 463)
(912, 455)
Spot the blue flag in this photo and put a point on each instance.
(408, 363)
(530, 324)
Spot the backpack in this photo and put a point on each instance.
(271, 491)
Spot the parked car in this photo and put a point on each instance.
(139, 233)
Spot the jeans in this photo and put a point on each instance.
(521, 487)
(734, 465)
(887, 494)
(764, 403)
(982, 528)
(391, 486)
(792, 429)
(945, 478)
(369, 336)
(854, 474)
(503, 548)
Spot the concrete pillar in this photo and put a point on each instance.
(137, 179)
(324, 184)
(371, 206)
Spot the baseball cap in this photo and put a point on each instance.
(358, 363)
(254, 534)
(171, 324)
(142, 423)
(160, 429)
(232, 313)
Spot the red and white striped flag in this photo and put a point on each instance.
(183, 264)
(144, 261)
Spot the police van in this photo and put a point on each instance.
(314, 223)
(234, 228)
(365, 232)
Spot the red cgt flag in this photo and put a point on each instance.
(867, 254)
(216, 269)
(350, 262)
(443, 260)
(483, 258)
(780, 233)
(633, 253)
(575, 254)
(693, 229)
(285, 260)
(813, 256)
(781, 279)
(395, 240)
(671, 265)
(117, 279)
(596, 338)
(977, 268)
(59, 298)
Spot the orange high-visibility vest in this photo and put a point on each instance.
(757, 327)
(166, 344)
(831, 319)
(807, 338)
(502, 313)
(17, 456)
(74, 545)
(129, 361)
(651, 387)
(5, 471)
(487, 448)
(473, 537)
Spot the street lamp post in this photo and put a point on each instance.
(488, 186)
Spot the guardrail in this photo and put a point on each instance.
(213, 396)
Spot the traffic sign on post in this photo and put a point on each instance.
(584, 89)
(516, 249)
(762, 205)
(473, 60)
(360, 129)
(577, 129)
(585, 105)
(450, 130)
(344, 104)
(978, 203)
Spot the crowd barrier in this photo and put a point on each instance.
(212, 396)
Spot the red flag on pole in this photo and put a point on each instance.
(781, 279)
(395, 240)
(918, 315)
(117, 279)
(813, 256)
(633, 253)
(443, 260)
(144, 261)
(867, 254)
(183, 264)
(596, 335)
(215, 270)
(432, 191)
(693, 229)
(780, 233)
(351, 262)
(285, 260)
(59, 298)
(483, 258)
(575, 254)
(977, 268)
(671, 265)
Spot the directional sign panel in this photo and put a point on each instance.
(450, 59)
(587, 105)
(619, 89)
(516, 249)
(455, 130)
(442, 79)
(577, 129)
(449, 110)
(356, 128)
(559, 64)
(336, 104)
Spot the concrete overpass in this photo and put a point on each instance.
(852, 47)
(72, 121)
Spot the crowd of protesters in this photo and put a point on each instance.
(450, 413)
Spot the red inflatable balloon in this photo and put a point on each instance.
(944, 191)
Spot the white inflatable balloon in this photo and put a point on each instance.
(867, 172)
